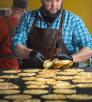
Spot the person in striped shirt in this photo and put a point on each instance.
(51, 31)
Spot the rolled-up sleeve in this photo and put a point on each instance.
(22, 31)
(81, 34)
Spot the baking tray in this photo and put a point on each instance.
(22, 87)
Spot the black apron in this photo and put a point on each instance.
(47, 41)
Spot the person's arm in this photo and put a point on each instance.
(34, 56)
(83, 40)
(19, 42)
(20, 37)
(83, 55)
(22, 51)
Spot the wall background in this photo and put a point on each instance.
(82, 8)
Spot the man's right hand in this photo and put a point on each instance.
(36, 58)
(63, 57)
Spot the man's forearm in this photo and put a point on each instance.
(22, 52)
(83, 55)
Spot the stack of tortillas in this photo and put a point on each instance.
(56, 63)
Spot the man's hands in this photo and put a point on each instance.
(36, 58)
(63, 57)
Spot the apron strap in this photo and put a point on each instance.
(60, 32)
(34, 20)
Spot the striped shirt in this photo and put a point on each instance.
(74, 32)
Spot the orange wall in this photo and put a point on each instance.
(82, 8)
(5, 3)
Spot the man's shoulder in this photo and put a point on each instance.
(71, 15)
(32, 13)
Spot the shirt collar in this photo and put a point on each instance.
(38, 15)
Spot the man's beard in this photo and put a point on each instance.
(48, 16)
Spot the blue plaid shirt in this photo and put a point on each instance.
(74, 32)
